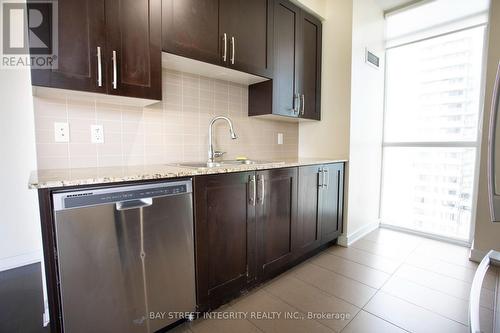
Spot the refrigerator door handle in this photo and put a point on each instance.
(494, 197)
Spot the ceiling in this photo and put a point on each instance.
(389, 4)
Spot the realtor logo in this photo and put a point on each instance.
(29, 34)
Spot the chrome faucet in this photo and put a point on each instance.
(211, 153)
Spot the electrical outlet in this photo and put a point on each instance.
(97, 134)
(61, 132)
(280, 138)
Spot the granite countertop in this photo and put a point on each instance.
(90, 176)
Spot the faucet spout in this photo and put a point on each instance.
(211, 153)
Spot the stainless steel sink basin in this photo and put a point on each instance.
(205, 165)
(246, 162)
(199, 165)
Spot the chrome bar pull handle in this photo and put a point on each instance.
(325, 185)
(99, 67)
(303, 105)
(296, 103)
(320, 178)
(326, 173)
(253, 188)
(224, 54)
(115, 71)
(262, 193)
(233, 49)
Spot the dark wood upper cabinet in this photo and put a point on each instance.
(331, 201)
(134, 48)
(296, 88)
(81, 31)
(310, 66)
(245, 28)
(191, 29)
(286, 52)
(224, 235)
(308, 235)
(107, 46)
(276, 218)
(232, 33)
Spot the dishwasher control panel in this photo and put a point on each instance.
(93, 197)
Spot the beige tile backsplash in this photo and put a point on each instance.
(173, 130)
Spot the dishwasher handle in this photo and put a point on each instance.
(134, 204)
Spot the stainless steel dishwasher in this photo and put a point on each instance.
(125, 253)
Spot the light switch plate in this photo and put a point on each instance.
(97, 134)
(61, 132)
(280, 138)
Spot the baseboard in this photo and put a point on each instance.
(347, 240)
(20, 260)
(477, 255)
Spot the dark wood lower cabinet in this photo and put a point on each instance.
(276, 219)
(251, 226)
(308, 235)
(224, 236)
(331, 201)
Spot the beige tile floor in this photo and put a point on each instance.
(386, 282)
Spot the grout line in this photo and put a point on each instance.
(296, 308)
(421, 307)
(350, 321)
(182, 117)
(96, 145)
(448, 276)
(329, 293)
(121, 136)
(382, 255)
(330, 253)
(199, 153)
(360, 263)
(69, 129)
(343, 275)
(439, 290)
(385, 320)
(404, 300)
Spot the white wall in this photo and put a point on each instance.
(351, 107)
(20, 238)
(317, 7)
(330, 136)
(487, 234)
(366, 120)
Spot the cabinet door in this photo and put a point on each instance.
(331, 201)
(248, 26)
(276, 219)
(191, 29)
(81, 30)
(225, 236)
(286, 20)
(310, 67)
(134, 42)
(308, 228)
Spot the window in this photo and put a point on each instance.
(431, 133)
